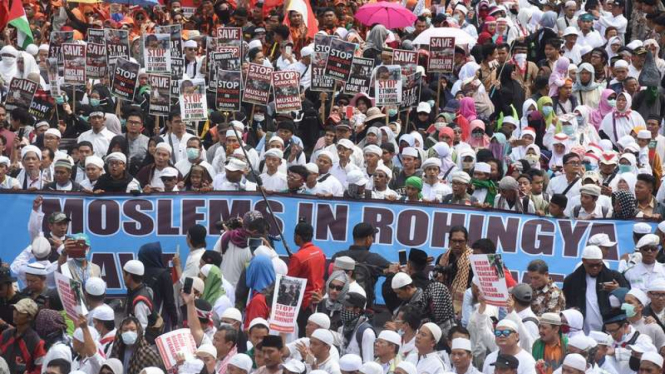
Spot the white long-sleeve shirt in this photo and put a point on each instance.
(26, 257)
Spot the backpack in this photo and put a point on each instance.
(359, 333)
(155, 322)
(364, 278)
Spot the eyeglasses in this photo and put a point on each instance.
(336, 288)
(457, 240)
(504, 333)
(573, 163)
(649, 249)
(658, 295)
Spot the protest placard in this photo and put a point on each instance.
(227, 59)
(171, 343)
(117, 45)
(441, 55)
(160, 94)
(228, 90)
(177, 67)
(408, 60)
(95, 57)
(411, 90)
(20, 94)
(229, 36)
(74, 60)
(286, 304)
(175, 91)
(360, 77)
(193, 103)
(387, 84)
(71, 296)
(490, 272)
(95, 36)
(41, 106)
(58, 38)
(320, 82)
(175, 31)
(124, 79)
(257, 84)
(157, 53)
(286, 88)
(340, 59)
(52, 74)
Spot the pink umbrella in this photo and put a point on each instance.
(390, 15)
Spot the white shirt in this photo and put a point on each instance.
(57, 350)
(192, 264)
(603, 201)
(332, 184)
(305, 73)
(179, 145)
(89, 365)
(384, 194)
(642, 275)
(275, 182)
(573, 54)
(368, 339)
(435, 191)
(220, 183)
(26, 257)
(9, 183)
(595, 214)
(340, 172)
(184, 166)
(295, 354)
(593, 320)
(559, 184)
(330, 365)
(592, 39)
(430, 363)
(234, 260)
(527, 363)
(193, 69)
(407, 347)
(100, 141)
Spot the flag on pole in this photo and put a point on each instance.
(16, 17)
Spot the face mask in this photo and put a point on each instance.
(547, 110)
(392, 112)
(467, 165)
(348, 316)
(450, 117)
(59, 100)
(590, 167)
(8, 61)
(624, 168)
(400, 332)
(431, 103)
(84, 118)
(629, 309)
(429, 21)
(520, 58)
(439, 125)
(259, 117)
(95, 102)
(634, 363)
(568, 129)
(129, 337)
(612, 103)
(532, 159)
(193, 153)
(580, 120)
(123, 121)
(477, 135)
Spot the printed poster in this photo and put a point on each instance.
(58, 38)
(285, 306)
(411, 85)
(193, 103)
(361, 76)
(20, 94)
(228, 90)
(124, 79)
(157, 53)
(96, 36)
(95, 66)
(52, 73)
(257, 85)
(441, 55)
(408, 60)
(71, 295)
(177, 68)
(491, 274)
(41, 105)
(340, 59)
(174, 342)
(320, 82)
(74, 60)
(160, 94)
(117, 45)
(286, 87)
(175, 31)
(228, 59)
(388, 85)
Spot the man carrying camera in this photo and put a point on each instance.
(454, 267)
(75, 258)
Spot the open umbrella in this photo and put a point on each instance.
(461, 36)
(390, 15)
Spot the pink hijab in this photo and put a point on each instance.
(474, 142)
(597, 115)
(467, 108)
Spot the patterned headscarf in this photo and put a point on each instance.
(143, 355)
(626, 202)
(336, 305)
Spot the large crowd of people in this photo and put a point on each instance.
(556, 109)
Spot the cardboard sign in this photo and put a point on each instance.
(321, 82)
(74, 60)
(117, 45)
(175, 31)
(177, 68)
(286, 303)
(125, 76)
(340, 59)
(441, 55)
(41, 106)
(95, 61)
(360, 77)
(71, 296)
(408, 60)
(58, 38)
(387, 85)
(228, 90)
(20, 94)
(52, 74)
(257, 84)
(157, 53)
(96, 36)
(227, 59)
(286, 87)
(174, 342)
(193, 102)
(411, 85)
(160, 94)
(490, 272)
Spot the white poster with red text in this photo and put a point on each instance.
(491, 274)
(174, 342)
(286, 304)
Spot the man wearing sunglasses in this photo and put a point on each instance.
(643, 273)
(507, 341)
(589, 286)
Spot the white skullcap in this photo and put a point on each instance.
(575, 361)
(274, 152)
(198, 284)
(653, 357)
(324, 336)
(95, 286)
(432, 161)
(312, 168)
(94, 160)
(580, 341)
(462, 343)
(371, 368)
(4, 160)
(277, 139)
(391, 337)
(346, 143)
(238, 126)
(117, 156)
(31, 148)
(657, 285)
(242, 362)
(235, 165)
(254, 44)
(78, 334)
(169, 172)
(601, 240)
(639, 295)
(434, 329)
(507, 324)
(648, 240)
(230, 134)
(342, 32)
(509, 119)
(103, 312)
(570, 30)
(641, 228)
(134, 267)
(258, 321)
(54, 132)
(207, 349)
(373, 149)
(165, 147)
(601, 338)
(571, 3)
(644, 134)
(326, 154)
(190, 44)
(35, 268)
(41, 247)
(384, 169)
(482, 167)
(350, 362)
(661, 227)
(205, 269)
(320, 319)
(400, 280)
(461, 176)
(44, 47)
(232, 313)
(306, 51)
(621, 64)
(408, 367)
(294, 366)
(592, 252)
(409, 151)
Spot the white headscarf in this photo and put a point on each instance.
(29, 65)
(8, 67)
